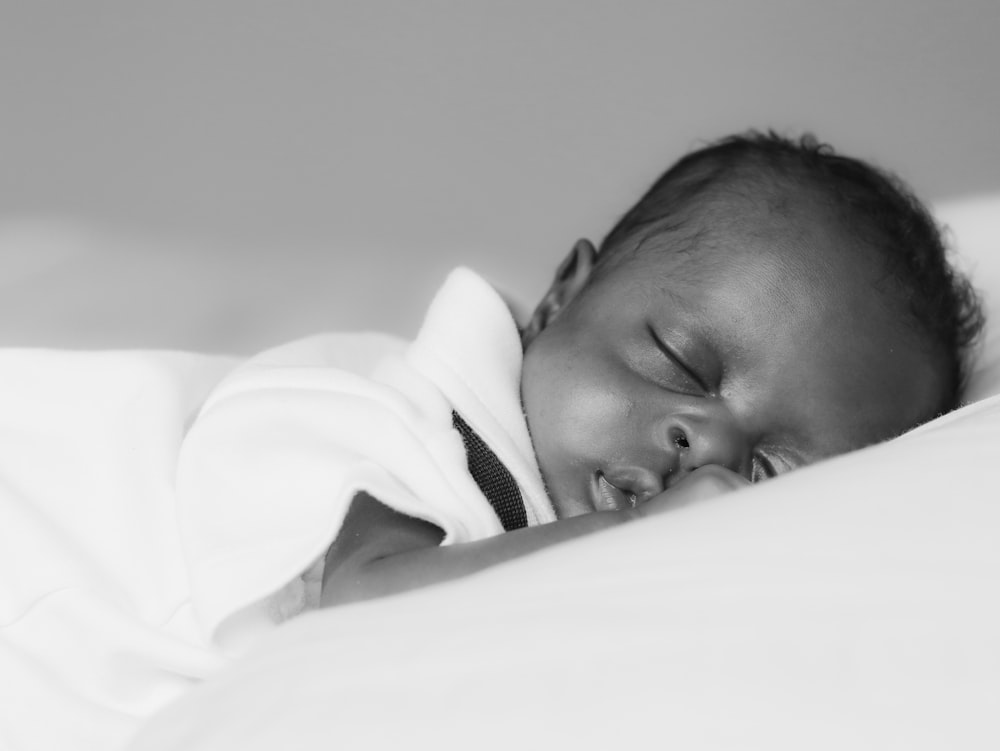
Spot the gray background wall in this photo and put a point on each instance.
(399, 138)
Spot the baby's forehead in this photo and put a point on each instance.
(800, 263)
(766, 205)
(734, 227)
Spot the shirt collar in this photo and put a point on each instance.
(470, 346)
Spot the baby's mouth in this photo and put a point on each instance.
(609, 497)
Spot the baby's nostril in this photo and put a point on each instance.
(680, 439)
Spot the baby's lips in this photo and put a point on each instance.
(609, 497)
(637, 482)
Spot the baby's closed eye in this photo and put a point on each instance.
(679, 374)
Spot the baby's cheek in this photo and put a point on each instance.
(594, 420)
(596, 409)
(578, 407)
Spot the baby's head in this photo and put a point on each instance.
(765, 305)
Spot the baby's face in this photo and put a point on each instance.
(753, 355)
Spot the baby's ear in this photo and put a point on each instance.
(571, 277)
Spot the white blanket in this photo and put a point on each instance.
(95, 622)
(140, 554)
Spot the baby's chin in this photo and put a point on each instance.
(566, 508)
(567, 502)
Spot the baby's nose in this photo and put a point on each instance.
(710, 439)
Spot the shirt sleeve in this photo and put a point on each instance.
(269, 468)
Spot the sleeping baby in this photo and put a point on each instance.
(767, 304)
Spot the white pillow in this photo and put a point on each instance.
(974, 226)
(854, 604)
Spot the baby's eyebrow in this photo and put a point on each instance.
(667, 350)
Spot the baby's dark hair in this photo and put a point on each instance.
(874, 209)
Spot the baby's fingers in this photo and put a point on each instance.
(712, 479)
(703, 483)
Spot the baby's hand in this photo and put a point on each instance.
(705, 482)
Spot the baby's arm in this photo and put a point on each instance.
(380, 551)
